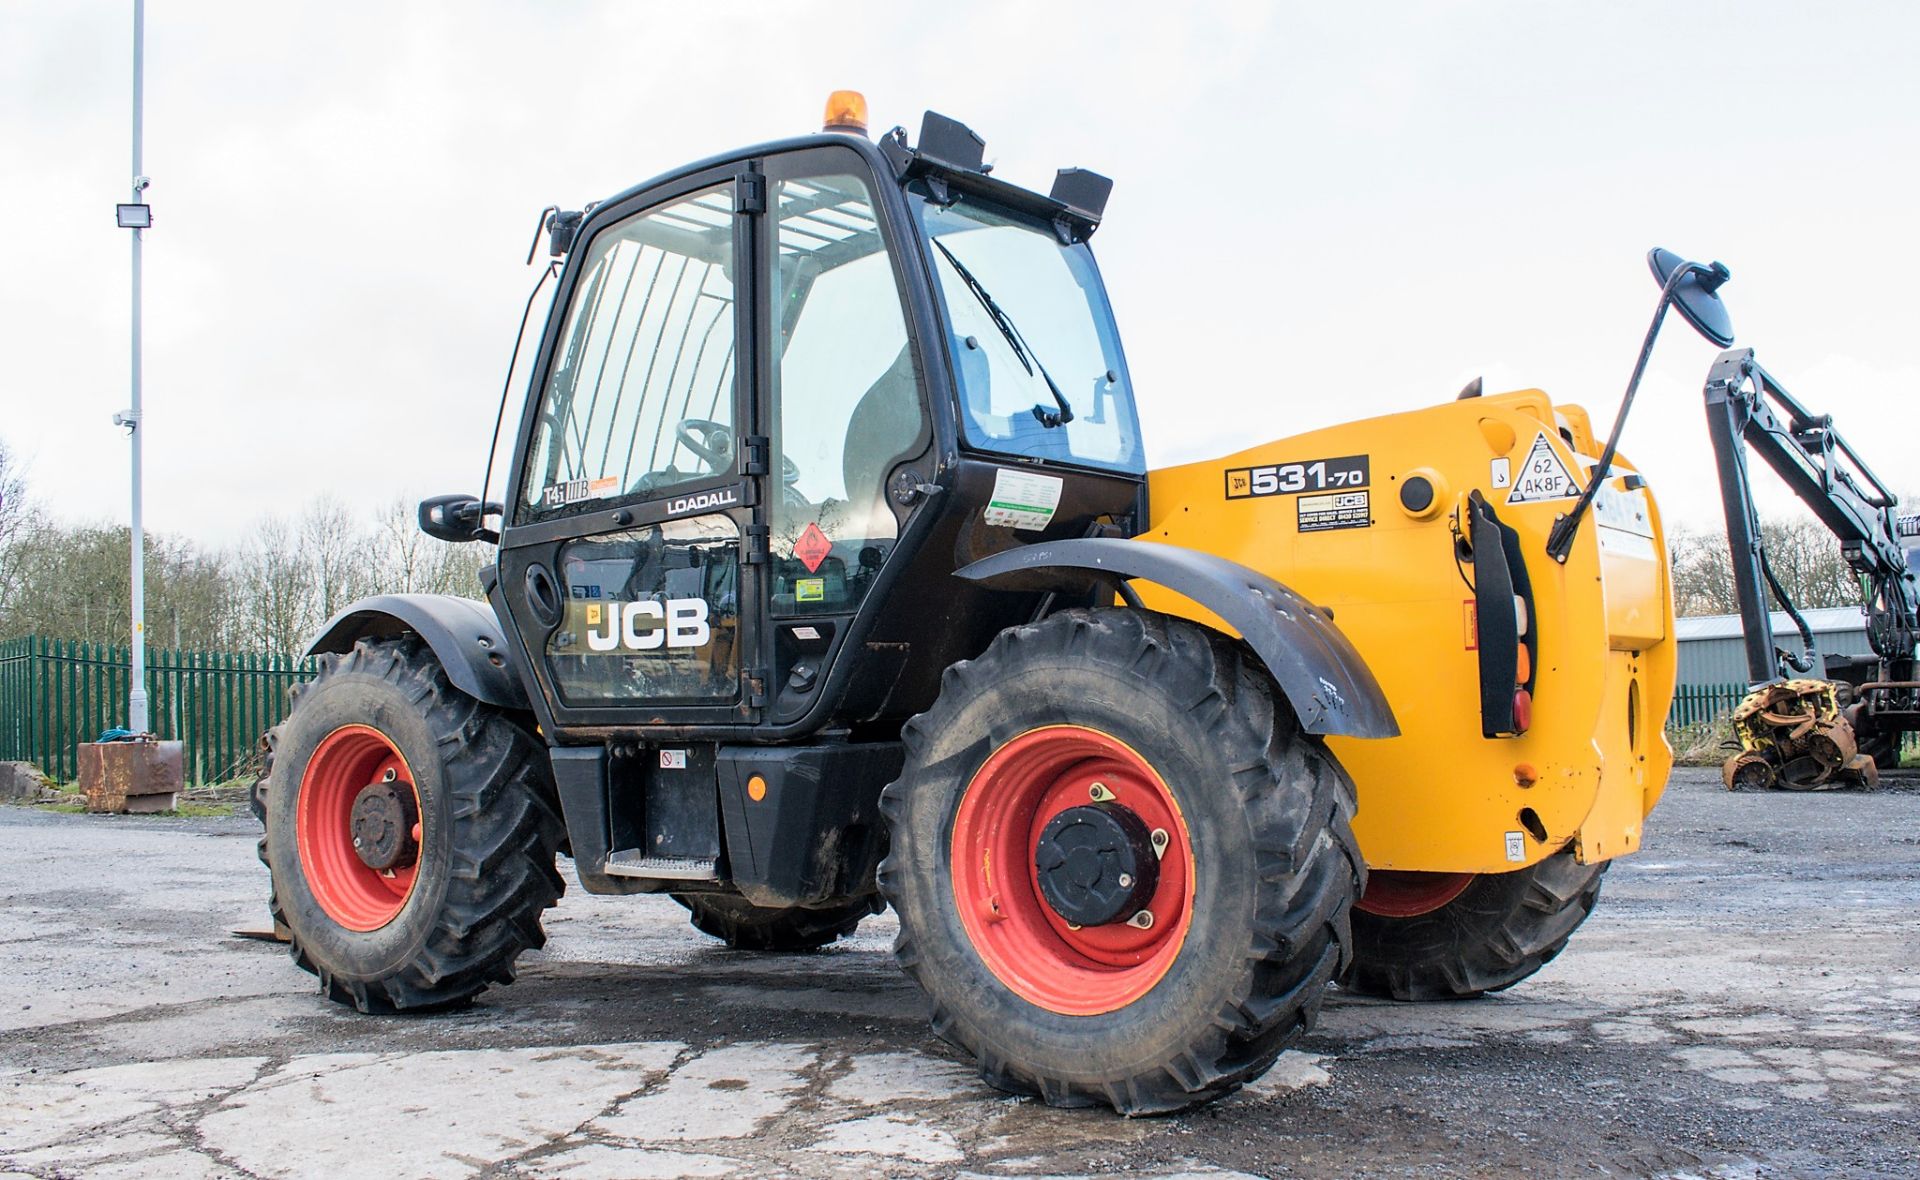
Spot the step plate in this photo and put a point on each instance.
(631, 862)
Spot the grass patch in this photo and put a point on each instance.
(1704, 743)
(199, 811)
(72, 803)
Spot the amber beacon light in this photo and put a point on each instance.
(846, 111)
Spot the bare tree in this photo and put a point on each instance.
(279, 590)
(17, 520)
(337, 556)
(1804, 556)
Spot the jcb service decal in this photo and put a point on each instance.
(1285, 479)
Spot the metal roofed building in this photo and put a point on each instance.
(1711, 652)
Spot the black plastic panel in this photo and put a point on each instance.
(815, 831)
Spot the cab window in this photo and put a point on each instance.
(641, 393)
(847, 402)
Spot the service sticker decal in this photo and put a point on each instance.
(1516, 846)
(1500, 473)
(1023, 499)
(809, 590)
(570, 491)
(1542, 476)
(1310, 475)
(1335, 510)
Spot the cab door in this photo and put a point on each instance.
(846, 411)
(626, 557)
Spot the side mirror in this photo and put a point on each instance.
(459, 518)
(1697, 296)
(1694, 288)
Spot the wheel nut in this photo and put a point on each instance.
(1126, 880)
(1158, 838)
(1099, 793)
(1142, 920)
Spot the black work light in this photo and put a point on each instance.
(134, 216)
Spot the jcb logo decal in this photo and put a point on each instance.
(648, 626)
(1284, 479)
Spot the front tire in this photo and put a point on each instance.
(1122, 872)
(410, 833)
(1454, 936)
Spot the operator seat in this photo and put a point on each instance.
(888, 427)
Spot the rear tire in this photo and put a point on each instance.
(1119, 713)
(1496, 931)
(748, 927)
(437, 929)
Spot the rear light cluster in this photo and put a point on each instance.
(1503, 622)
(1522, 670)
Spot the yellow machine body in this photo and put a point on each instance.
(1441, 797)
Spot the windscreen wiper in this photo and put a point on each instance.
(1028, 359)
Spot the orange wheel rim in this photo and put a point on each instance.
(1399, 893)
(1007, 807)
(353, 893)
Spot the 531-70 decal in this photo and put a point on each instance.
(1285, 479)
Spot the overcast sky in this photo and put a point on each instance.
(1321, 211)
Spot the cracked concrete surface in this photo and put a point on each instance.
(1745, 1003)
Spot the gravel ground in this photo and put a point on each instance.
(1745, 1002)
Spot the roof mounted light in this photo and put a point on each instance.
(846, 113)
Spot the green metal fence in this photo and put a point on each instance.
(55, 694)
(1694, 704)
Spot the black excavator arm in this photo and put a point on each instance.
(1747, 409)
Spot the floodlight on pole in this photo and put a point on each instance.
(137, 216)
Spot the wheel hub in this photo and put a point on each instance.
(1095, 864)
(383, 820)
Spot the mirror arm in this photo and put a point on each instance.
(1560, 539)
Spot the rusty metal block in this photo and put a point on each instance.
(139, 777)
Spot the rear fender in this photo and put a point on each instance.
(1319, 671)
(465, 637)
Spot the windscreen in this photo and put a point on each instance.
(1021, 306)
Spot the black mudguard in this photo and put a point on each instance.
(1324, 679)
(464, 635)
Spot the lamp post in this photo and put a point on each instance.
(138, 217)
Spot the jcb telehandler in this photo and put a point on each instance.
(831, 575)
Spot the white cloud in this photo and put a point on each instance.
(1319, 214)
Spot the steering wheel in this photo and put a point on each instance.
(715, 442)
(714, 446)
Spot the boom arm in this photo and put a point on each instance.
(1747, 408)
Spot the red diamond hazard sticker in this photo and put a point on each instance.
(812, 547)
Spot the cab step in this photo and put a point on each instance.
(632, 862)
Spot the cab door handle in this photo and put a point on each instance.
(543, 596)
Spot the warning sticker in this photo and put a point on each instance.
(1335, 510)
(1023, 499)
(1516, 846)
(1626, 528)
(809, 590)
(812, 548)
(1542, 476)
